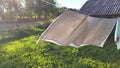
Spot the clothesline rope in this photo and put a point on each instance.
(48, 3)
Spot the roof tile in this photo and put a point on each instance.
(101, 8)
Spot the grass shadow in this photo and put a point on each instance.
(23, 33)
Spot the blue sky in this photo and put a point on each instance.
(71, 3)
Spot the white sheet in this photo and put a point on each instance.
(74, 29)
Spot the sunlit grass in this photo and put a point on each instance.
(25, 53)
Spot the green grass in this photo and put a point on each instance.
(20, 50)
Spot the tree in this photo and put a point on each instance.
(51, 9)
(29, 7)
(11, 8)
(42, 7)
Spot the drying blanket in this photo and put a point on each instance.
(75, 29)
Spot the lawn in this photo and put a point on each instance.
(18, 49)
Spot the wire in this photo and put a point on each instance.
(52, 4)
(48, 3)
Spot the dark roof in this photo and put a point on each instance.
(101, 8)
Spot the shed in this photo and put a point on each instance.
(101, 8)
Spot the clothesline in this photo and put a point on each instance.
(48, 3)
(77, 30)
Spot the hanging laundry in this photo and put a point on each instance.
(60, 31)
(77, 30)
(117, 34)
(96, 32)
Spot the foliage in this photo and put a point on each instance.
(41, 7)
(14, 9)
(23, 52)
(10, 6)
